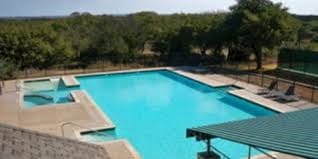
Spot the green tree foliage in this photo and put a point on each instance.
(261, 24)
(7, 70)
(36, 47)
(308, 33)
(82, 38)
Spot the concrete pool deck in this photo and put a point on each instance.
(66, 120)
(83, 115)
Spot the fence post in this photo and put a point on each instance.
(277, 82)
(64, 69)
(120, 65)
(103, 64)
(262, 80)
(237, 70)
(248, 72)
(25, 73)
(313, 93)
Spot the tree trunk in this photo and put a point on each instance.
(203, 51)
(217, 49)
(259, 58)
(230, 54)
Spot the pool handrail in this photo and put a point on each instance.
(83, 127)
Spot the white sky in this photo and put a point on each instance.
(65, 7)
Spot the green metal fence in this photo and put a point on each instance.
(306, 91)
(306, 86)
(301, 61)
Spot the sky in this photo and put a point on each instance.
(11, 8)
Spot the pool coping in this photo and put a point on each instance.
(70, 81)
(248, 96)
(202, 80)
(198, 78)
(110, 126)
(120, 72)
(266, 103)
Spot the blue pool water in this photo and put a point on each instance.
(153, 109)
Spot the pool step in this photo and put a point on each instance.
(47, 97)
(99, 136)
(70, 81)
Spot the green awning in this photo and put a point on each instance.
(294, 133)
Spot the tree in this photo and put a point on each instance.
(75, 14)
(133, 34)
(260, 24)
(207, 32)
(180, 44)
(82, 39)
(147, 23)
(160, 45)
(6, 69)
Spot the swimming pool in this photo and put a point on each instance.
(153, 109)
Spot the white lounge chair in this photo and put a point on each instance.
(289, 95)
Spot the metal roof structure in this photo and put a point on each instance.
(294, 133)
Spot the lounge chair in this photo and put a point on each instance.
(267, 90)
(201, 70)
(273, 94)
(289, 95)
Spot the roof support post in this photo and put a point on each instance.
(249, 152)
(209, 153)
(208, 146)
